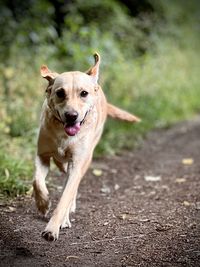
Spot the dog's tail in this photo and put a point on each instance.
(117, 113)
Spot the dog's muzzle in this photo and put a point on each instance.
(71, 127)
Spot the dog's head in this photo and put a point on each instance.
(71, 95)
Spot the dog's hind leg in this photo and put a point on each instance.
(41, 193)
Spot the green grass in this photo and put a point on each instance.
(15, 175)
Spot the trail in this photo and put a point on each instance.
(139, 208)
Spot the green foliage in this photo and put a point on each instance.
(14, 175)
(150, 66)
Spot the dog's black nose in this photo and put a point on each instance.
(71, 116)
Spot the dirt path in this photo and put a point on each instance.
(122, 219)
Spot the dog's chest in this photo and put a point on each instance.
(64, 148)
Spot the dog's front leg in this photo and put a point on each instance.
(41, 193)
(76, 169)
(72, 208)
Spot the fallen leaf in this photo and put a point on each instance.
(186, 203)
(97, 172)
(72, 257)
(11, 209)
(116, 187)
(105, 189)
(123, 216)
(152, 178)
(180, 180)
(113, 171)
(152, 193)
(188, 161)
(144, 220)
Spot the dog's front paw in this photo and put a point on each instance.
(50, 236)
(66, 221)
(66, 224)
(73, 206)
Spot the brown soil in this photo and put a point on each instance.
(121, 219)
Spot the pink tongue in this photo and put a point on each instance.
(72, 130)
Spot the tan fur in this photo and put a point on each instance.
(72, 154)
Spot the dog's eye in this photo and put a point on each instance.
(84, 93)
(60, 93)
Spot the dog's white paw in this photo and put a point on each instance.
(66, 223)
(50, 236)
(51, 231)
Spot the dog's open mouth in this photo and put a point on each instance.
(72, 130)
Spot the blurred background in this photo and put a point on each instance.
(150, 66)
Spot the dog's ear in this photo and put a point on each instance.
(48, 74)
(94, 71)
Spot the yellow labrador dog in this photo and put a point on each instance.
(72, 121)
